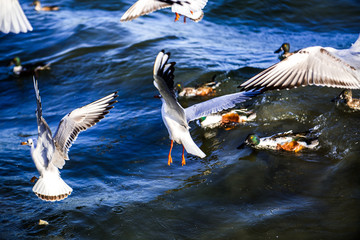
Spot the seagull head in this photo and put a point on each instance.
(29, 142)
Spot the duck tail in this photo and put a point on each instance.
(191, 147)
(51, 188)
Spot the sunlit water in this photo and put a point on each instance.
(123, 188)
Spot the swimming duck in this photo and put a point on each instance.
(175, 117)
(287, 141)
(189, 8)
(285, 47)
(228, 119)
(346, 97)
(207, 89)
(38, 7)
(50, 152)
(12, 17)
(319, 66)
(27, 69)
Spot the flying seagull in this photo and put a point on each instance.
(175, 117)
(12, 17)
(189, 8)
(50, 152)
(319, 66)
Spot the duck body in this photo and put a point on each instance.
(208, 89)
(228, 119)
(287, 141)
(346, 98)
(39, 8)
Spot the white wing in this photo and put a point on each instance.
(143, 7)
(79, 120)
(309, 66)
(218, 104)
(45, 144)
(12, 17)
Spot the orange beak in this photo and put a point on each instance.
(23, 143)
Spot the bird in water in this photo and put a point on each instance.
(207, 89)
(12, 17)
(287, 141)
(346, 97)
(39, 8)
(285, 47)
(21, 70)
(175, 117)
(50, 152)
(319, 66)
(188, 8)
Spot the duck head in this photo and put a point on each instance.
(345, 95)
(251, 139)
(178, 87)
(16, 61)
(285, 47)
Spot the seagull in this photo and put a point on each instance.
(175, 117)
(50, 152)
(319, 66)
(189, 8)
(12, 17)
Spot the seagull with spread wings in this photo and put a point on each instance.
(175, 117)
(189, 8)
(50, 152)
(12, 17)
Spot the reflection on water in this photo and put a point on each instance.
(122, 185)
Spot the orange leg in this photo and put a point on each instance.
(177, 17)
(169, 157)
(183, 158)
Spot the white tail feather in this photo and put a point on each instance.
(51, 188)
(190, 146)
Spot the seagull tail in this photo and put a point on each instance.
(51, 188)
(191, 147)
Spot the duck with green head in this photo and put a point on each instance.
(346, 97)
(287, 141)
(27, 69)
(285, 47)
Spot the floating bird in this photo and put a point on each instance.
(287, 141)
(12, 17)
(285, 47)
(319, 66)
(27, 69)
(38, 7)
(228, 119)
(346, 97)
(50, 152)
(189, 8)
(175, 117)
(207, 89)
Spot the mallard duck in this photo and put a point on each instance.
(285, 47)
(346, 97)
(50, 152)
(207, 89)
(189, 8)
(319, 66)
(287, 141)
(27, 69)
(38, 7)
(12, 17)
(175, 117)
(228, 119)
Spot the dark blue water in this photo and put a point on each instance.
(123, 188)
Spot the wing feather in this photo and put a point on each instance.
(143, 7)
(12, 17)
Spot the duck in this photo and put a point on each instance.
(207, 89)
(175, 117)
(229, 119)
(13, 18)
(287, 141)
(285, 47)
(346, 97)
(188, 8)
(49, 152)
(39, 8)
(319, 66)
(20, 70)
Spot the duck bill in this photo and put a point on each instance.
(279, 50)
(23, 143)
